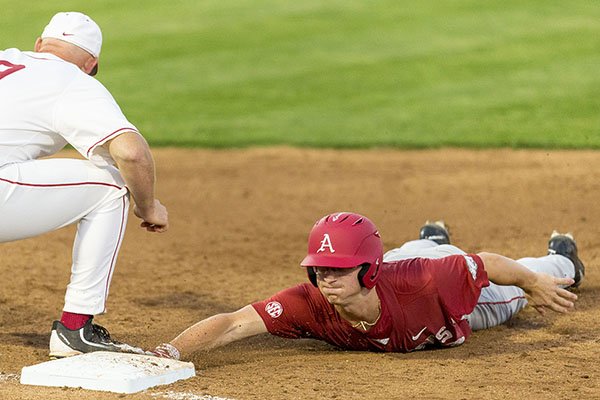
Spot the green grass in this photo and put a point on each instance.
(350, 73)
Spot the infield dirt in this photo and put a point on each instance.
(240, 219)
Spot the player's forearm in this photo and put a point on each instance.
(136, 165)
(219, 330)
(205, 335)
(139, 178)
(505, 271)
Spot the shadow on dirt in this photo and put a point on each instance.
(185, 300)
(28, 339)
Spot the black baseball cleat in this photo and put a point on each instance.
(65, 342)
(564, 244)
(436, 231)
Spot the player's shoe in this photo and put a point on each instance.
(564, 244)
(436, 231)
(65, 342)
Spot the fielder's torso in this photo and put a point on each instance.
(46, 102)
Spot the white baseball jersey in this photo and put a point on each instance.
(45, 103)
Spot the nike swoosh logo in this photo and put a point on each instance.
(419, 334)
(68, 34)
(64, 338)
(100, 345)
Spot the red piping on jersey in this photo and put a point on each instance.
(107, 136)
(114, 256)
(501, 302)
(60, 184)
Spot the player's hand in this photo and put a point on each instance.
(165, 350)
(155, 218)
(546, 292)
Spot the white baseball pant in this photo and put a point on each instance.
(497, 304)
(40, 196)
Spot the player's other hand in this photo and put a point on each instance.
(547, 292)
(165, 350)
(155, 218)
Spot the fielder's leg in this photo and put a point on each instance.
(97, 243)
(42, 195)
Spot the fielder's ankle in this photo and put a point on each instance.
(74, 321)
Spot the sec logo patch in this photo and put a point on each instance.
(274, 309)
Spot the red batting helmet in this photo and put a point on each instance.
(345, 240)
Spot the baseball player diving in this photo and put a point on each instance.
(49, 98)
(425, 294)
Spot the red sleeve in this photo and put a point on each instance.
(459, 281)
(286, 312)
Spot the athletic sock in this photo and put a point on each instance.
(74, 321)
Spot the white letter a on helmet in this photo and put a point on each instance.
(326, 243)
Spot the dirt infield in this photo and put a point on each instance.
(240, 219)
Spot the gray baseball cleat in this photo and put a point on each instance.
(436, 231)
(564, 244)
(65, 342)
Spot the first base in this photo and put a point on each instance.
(106, 371)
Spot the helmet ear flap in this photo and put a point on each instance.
(361, 274)
(312, 276)
(368, 274)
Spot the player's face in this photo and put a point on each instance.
(338, 284)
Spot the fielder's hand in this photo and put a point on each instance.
(166, 350)
(155, 218)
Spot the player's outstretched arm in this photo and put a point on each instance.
(214, 331)
(134, 160)
(543, 291)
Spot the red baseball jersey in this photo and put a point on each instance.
(423, 304)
